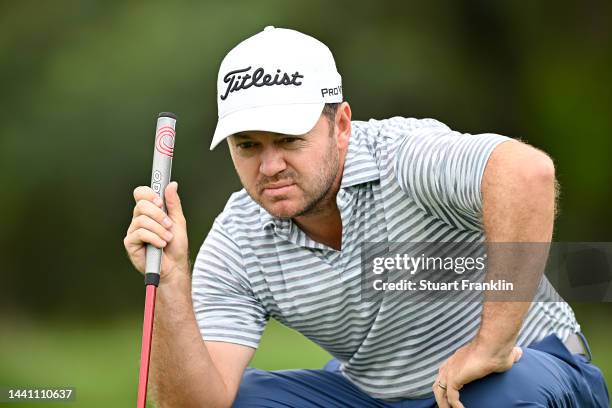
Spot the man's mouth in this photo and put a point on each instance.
(277, 189)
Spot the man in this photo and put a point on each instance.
(316, 187)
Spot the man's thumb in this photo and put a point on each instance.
(173, 202)
(517, 353)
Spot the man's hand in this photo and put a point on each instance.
(469, 363)
(150, 225)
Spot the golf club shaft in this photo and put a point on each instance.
(160, 177)
(145, 351)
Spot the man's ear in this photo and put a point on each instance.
(343, 125)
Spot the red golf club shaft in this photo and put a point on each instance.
(145, 352)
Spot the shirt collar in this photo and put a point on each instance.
(267, 219)
(359, 165)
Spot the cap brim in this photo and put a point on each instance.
(294, 119)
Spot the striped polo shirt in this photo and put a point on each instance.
(404, 180)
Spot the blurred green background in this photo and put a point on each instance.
(82, 84)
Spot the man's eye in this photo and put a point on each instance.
(246, 145)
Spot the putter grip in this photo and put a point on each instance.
(160, 177)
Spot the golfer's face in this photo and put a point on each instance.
(286, 174)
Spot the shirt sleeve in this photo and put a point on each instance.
(442, 171)
(223, 302)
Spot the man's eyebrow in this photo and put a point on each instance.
(241, 136)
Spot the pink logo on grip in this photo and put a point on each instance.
(164, 140)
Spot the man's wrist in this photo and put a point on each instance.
(173, 302)
(177, 277)
(492, 347)
(175, 287)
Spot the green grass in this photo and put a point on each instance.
(101, 360)
(282, 348)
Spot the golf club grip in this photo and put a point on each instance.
(160, 177)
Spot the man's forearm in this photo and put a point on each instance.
(518, 207)
(182, 372)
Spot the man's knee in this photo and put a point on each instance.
(298, 388)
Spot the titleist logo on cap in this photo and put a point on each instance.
(241, 79)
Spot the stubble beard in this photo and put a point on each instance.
(315, 200)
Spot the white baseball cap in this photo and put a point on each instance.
(276, 81)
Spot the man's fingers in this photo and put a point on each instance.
(143, 221)
(145, 207)
(439, 392)
(144, 193)
(440, 395)
(173, 203)
(452, 396)
(135, 239)
(149, 203)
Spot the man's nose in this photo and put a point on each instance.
(272, 161)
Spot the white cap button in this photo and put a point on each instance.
(269, 28)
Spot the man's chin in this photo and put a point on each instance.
(282, 214)
(281, 209)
